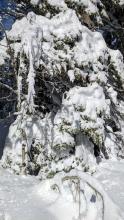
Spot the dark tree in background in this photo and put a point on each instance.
(7, 96)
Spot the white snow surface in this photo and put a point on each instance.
(120, 2)
(58, 3)
(111, 175)
(35, 2)
(27, 198)
(3, 51)
(89, 5)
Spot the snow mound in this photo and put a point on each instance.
(73, 196)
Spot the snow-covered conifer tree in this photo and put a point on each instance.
(68, 62)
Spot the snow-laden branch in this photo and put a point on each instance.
(12, 13)
(8, 87)
(7, 40)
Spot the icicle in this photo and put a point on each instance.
(19, 91)
(31, 90)
(31, 44)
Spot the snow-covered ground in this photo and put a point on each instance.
(27, 198)
(111, 175)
